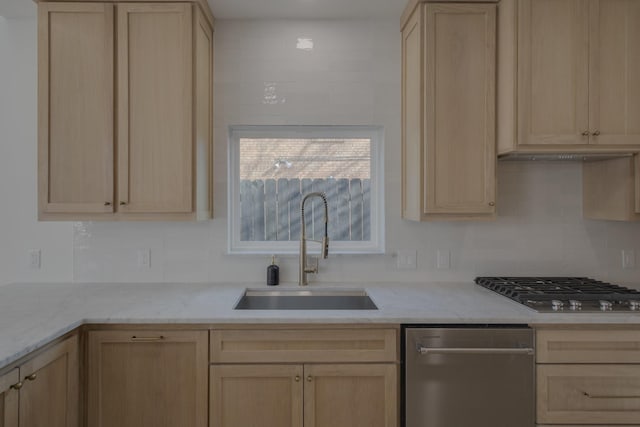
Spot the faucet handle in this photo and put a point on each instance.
(325, 247)
(312, 268)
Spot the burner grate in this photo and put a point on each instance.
(530, 289)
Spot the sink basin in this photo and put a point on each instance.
(305, 299)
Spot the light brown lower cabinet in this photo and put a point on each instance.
(9, 398)
(309, 395)
(43, 391)
(145, 378)
(242, 394)
(304, 376)
(588, 377)
(350, 395)
(589, 394)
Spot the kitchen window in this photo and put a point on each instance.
(272, 167)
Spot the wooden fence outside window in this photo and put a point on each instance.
(270, 209)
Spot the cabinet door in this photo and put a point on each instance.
(75, 108)
(614, 88)
(155, 127)
(460, 108)
(147, 378)
(204, 116)
(9, 399)
(412, 118)
(351, 395)
(50, 392)
(637, 182)
(553, 72)
(611, 190)
(588, 394)
(256, 396)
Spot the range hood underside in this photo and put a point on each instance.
(568, 157)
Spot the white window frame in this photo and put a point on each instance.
(375, 133)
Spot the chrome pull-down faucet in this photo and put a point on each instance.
(304, 268)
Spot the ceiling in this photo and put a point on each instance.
(265, 9)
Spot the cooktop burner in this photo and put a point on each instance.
(569, 294)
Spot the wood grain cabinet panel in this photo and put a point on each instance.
(304, 377)
(9, 398)
(44, 390)
(611, 189)
(337, 395)
(75, 108)
(351, 395)
(588, 376)
(264, 395)
(300, 345)
(163, 113)
(553, 61)
(571, 70)
(50, 392)
(614, 72)
(449, 92)
(588, 346)
(155, 92)
(147, 378)
(569, 394)
(586, 425)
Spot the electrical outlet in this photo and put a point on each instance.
(144, 258)
(35, 259)
(628, 259)
(407, 259)
(443, 259)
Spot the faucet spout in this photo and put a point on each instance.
(324, 251)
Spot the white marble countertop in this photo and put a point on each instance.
(31, 315)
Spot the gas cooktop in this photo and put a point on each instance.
(565, 294)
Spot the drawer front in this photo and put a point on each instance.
(595, 346)
(300, 345)
(588, 394)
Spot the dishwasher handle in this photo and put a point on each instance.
(516, 351)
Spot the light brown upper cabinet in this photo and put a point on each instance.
(448, 111)
(611, 189)
(569, 76)
(44, 390)
(125, 111)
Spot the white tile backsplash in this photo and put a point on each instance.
(351, 77)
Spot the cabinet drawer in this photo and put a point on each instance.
(595, 346)
(300, 345)
(588, 394)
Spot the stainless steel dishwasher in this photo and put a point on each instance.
(468, 377)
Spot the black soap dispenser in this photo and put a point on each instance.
(273, 273)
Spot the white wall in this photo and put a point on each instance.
(19, 230)
(352, 76)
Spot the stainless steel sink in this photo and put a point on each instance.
(305, 299)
